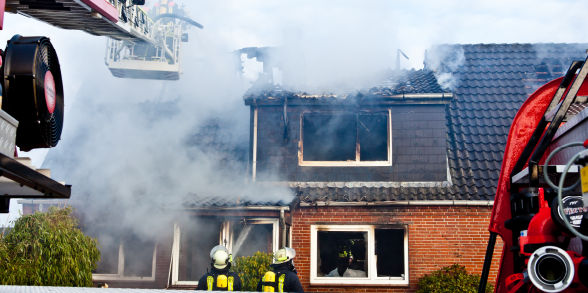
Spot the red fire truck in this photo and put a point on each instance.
(541, 204)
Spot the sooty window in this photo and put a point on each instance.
(127, 257)
(359, 254)
(345, 139)
(194, 237)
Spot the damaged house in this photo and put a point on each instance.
(400, 176)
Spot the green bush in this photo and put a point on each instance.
(47, 249)
(252, 268)
(451, 279)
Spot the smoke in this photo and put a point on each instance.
(136, 150)
(444, 60)
(132, 147)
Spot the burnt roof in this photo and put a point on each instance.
(395, 82)
(216, 201)
(489, 83)
(408, 82)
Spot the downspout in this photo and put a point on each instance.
(254, 147)
(253, 142)
(283, 234)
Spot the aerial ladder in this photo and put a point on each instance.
(140, 45)
(541, 205)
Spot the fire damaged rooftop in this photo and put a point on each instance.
(449, 124)
(483, 86)
(399, 84)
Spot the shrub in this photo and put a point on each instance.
(252, 268)
(47, 249)
(451, 279)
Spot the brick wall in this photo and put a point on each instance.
(438, 236)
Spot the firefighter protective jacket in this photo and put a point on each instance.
(281, 278)
(219, 280)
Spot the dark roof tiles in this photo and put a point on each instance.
(489, 87)
(494, 80)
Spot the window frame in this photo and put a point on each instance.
(372, 277)
(357, 162)
(225, 232)
(121, 268)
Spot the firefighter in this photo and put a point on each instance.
(344, 260)
(282, 276)
(220, 278)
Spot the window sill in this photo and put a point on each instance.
(344, 163)
(114, 277)
(357, 282)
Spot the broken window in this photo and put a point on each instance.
(251, 238)
(343, 254)
(109, 250)
(359, 254)
(125, 257)
(329, 137)
(139, 257)
(335, 138)
(196, 240)
(389, 252)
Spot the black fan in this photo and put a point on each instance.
(33, 91)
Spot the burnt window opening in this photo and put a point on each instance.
(193, 239)
(128, 256)
(196, 240)
(138, 257)
(109, 250)
(373, 137)
(359, 254)
(251, 238)
(389, 252)
(345, 137)
(342, 254)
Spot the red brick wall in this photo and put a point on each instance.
(437, 235)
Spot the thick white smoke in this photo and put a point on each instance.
(131, 145)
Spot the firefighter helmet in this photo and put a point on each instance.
(220, 257)
(284, 255)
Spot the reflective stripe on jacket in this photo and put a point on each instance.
(221, 282)
(269, 284)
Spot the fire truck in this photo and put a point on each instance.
(141, 45)
(541, 204)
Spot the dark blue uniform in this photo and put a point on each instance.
(282, 278)
(220, 280)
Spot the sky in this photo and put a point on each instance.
(118, 133)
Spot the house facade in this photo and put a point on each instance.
(401, 176)
(372, 176)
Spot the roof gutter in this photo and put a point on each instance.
(258, 208)
(401, 203)
(422, 96)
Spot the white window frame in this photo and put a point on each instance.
(120, 275)
(225, 233)
(354, 163)
(372, 278)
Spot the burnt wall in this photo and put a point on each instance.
(418, 146)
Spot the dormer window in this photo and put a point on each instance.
(345, 138)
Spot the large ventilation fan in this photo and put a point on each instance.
(33, 91)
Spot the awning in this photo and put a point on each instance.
(19, 179)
